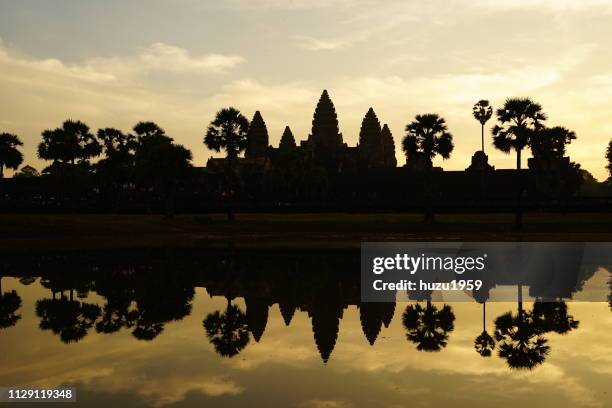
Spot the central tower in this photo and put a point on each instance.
(325, 138)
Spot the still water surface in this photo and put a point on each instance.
(229, 328)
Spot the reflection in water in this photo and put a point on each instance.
(142, 291)
(296, 312)
(428, 327)
(484, 343)
(10, 302)
(227, 331)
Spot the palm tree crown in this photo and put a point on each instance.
(519, 118)
(482, 112)
(427, 135)
(228, 132)
(10, 156)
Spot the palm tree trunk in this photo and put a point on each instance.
(230, 191)
(520, 299)
(429, 214)
(484, 316)
(519, 209)
(482, 136)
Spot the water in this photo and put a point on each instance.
(283, 328)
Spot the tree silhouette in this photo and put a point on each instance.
(10, 156)
(228, 332)
(484, 342)
(10, 302)
(519, 119)
(116, 168)
(427, 137)
(428, 327)
(610, 293)
(520, 342)
(159, 301)
(555, 175)
(117, 312)
(553, 317)
(482, 112)
(159, 163)
(550, 143)
(69, 144)
(609, 159)
(70, 319)
(228, 131)
(27, 172)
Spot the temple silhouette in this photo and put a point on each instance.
(319, 173)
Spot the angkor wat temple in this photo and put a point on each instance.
(324, 146)
(323, 172)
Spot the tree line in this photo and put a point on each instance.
(150, 159)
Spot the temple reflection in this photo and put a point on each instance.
(142, 291)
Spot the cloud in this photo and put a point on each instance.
(313, 44)
(545, 5)
(290, 4)
(161, 57)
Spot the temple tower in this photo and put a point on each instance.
(257, 138)
(388, 147)
(325, 139)
(287, 142)
(370, 142)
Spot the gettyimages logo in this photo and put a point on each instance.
(413, 264)
(483, 271)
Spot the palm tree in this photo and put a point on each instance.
(519, 119)
(484, 343)
(426, 137)
(228, 332)
(70, 143)
(520, 341)
(10, 156)
(428, 327)
(228, 132)
(482, 112)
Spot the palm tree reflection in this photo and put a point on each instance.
(520, 342)
(553, 317)
(484, 343)
(68, 318)
(228, 332)
(428, 327)
(10, 302)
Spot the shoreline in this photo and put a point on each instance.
(24, 232)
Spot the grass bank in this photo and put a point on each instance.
(66, 231)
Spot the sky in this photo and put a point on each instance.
(177, 62)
